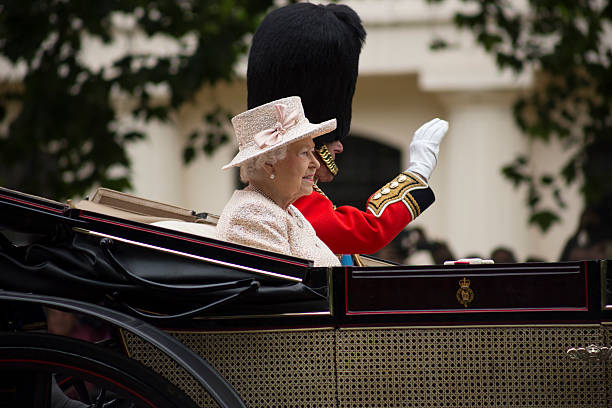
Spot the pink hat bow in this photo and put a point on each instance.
(274, 135)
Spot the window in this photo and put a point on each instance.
(365, 166)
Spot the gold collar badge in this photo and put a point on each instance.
(326, 156)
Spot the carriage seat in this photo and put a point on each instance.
(130, 207)
(207, 230)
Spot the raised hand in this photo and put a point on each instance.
(425, 146)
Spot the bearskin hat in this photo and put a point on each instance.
(311, 51)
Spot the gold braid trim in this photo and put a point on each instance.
(357, 260)
(396, 190)
(327, 159)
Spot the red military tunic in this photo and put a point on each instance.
(348, 230)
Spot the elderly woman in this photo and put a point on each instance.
(276, 159)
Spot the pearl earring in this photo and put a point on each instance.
(272, 176)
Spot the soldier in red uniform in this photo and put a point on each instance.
(312, 51)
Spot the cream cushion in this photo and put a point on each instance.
(201, 229)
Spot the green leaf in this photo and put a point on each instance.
(569, 171)
(544, 219)
(489, 41)
(132, 136)
(547, 179)
(193, 136)
(188, 154)
(438, 44)
(512, 174)
(533, 198)
(65, 106)
(521, 160)
(505, 60)
(558, 199)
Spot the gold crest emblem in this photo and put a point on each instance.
(465, 295)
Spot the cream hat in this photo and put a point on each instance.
(273, 125)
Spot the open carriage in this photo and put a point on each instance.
(195, 321)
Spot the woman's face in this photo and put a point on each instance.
(294, 175)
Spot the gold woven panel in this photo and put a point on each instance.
(162, 364)
(399, 367)
(607, 329)
(468, 367)
(268, 369)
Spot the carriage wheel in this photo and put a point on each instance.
(29, 364)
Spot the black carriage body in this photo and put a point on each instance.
(285, 333)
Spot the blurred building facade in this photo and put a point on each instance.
(402, 84)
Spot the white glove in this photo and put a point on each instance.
(425, 146)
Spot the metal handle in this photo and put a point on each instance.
(592, 352)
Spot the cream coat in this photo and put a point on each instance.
(249, 218)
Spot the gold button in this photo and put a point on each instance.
(401, 178)
(377, 196)
(394, 184)
(385, 190)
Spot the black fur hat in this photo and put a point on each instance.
(311, 51)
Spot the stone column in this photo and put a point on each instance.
(479, 207)
(157, 166)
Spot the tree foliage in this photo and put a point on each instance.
(568, 43)
(64, 137)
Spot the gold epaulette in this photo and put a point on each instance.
(399, 189)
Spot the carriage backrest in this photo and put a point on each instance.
(134, 208)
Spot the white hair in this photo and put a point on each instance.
(251, 167)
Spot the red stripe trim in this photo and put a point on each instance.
(89, 217)
(346, 310)
(427, 311)
(31, 204)
(53, 364)
(586, 284)
(448, 311)
(65, 380)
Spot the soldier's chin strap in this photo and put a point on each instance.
(327, 158)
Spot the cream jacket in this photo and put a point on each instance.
(249, 218)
